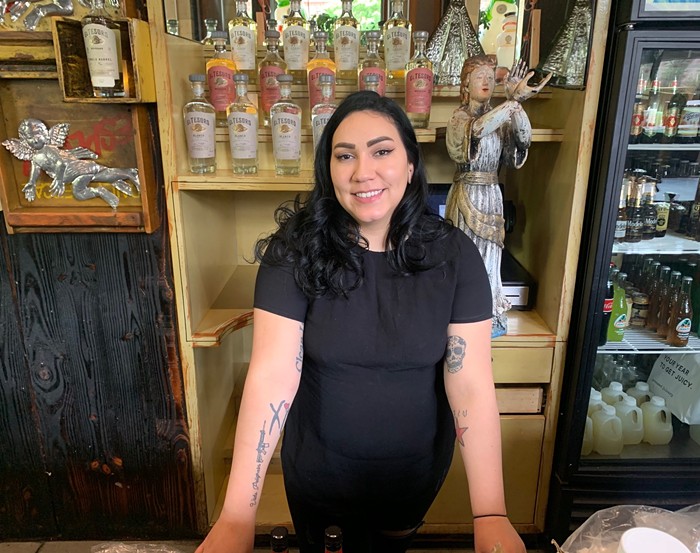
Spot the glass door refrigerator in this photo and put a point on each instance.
(632, 377)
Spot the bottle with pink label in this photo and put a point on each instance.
(269, 68)
(419, 83)
(373, 64)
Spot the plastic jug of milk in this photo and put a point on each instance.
(607, 431)
(657, 421)
(650, 540)
(613, 393)
(640, 391)
(695, 433)
(631, 418)
(595, 402)
(587, 446)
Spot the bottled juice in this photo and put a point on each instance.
(631, 418)
(595, 402)
(640, 392)
(607, 431)
(657, 422)
(618, 317)
(587, 446)
(613, 393)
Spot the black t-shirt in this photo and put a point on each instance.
(371, 395)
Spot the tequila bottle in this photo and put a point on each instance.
(320, 64)
(102, 39)
(373, 63)
(397, 42)
(211, 26)
(243, 128)
(371, 82)
(419, 83)
(296, 42)
(200, 125)
(321, 112)
(220, 70)
(285, 121)
(270, 67)
(243, 32)
(346, 41)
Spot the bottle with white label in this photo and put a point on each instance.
(200, 126)
(640, 392)
(632, 420)
(296, 40)
(102, 38)
(397, 42)
(658, 427)
(321, 112)
(612, 393)
(346, 44)
(285, 120)
(242, 118)
(243, 35)
(419, 83)
(607, 431)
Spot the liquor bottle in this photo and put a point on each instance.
(693, 227)
(653, 115)
(373, 63)
(243, 34)
(419, 83)
(333, 540)
(269, 68)
(662, 213)
(621, 220)
(618, 315)
(296, 42)
(681, 317)
(220, 70)
(666, 303)
(346, 41)
(285, 121)
(279, 540)
(673, 115)
(397, 42)
(640, 104)
(210, 25)
(649, 218)
(654, 295)
(320, 64)
(371, 82)
(321, 112)
(102, 37)
(635, 217)
(607, 307)
(242, 119)
(200, 125)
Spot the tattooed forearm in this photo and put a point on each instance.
(276, 420)
(300, 355)
(460, 428)
(263, 446)
(454, 355)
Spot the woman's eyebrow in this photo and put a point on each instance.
(370, 143)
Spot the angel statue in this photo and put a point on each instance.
(44, 148)
(37, 11)
(479, 139)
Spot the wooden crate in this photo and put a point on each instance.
(120, 134)
(25, 54)
(72, 64)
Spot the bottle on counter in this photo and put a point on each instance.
(397, 42)
(321, 112)
(220, 71)
(373, 64)
(102, 38)
(333, 540)
(681, 316)
(269, 68)
(243, 129)
(243, 35)
(658, 427)
(200, 126)
(320, 64)
(346, 44)
(419, 83)
(285, 121)
(296, 41)
(279, 540)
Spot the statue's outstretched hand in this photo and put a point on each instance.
(29, 191)
(516, 87)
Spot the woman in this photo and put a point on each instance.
(372, 343)
(479, 139)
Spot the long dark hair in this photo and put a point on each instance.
(319, 238)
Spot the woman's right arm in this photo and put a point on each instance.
(270, 386)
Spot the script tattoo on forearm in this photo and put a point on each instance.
(300, 355)
(263, 446)
(454, 355)
(460, 430)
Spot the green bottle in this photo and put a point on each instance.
(618, 317)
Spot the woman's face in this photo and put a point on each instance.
(370, 172)
(481, 83)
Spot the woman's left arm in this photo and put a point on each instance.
(472, 396)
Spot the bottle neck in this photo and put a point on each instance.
(397, 9)
(419, 51)
(326, 93)
(372, 47)
(686, 286)
(98, 6)
(295, 8)
(347, 8)
(241, 9)
(285, 92)
(242, 92)
(272, 46)
(198, 90)
(219, 48)
(321, 51)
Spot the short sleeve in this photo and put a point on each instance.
(472, 300)
(276, 291)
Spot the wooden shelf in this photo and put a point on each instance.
(672, 243)
(232, 310)
(431, 134)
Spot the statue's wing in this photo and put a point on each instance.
(20, 149)
(58, 134)
(82, 153)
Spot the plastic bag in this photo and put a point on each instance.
(601, 533)
(119, 547)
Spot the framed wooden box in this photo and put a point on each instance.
(121, 135)
(26, 54)
(72, 64)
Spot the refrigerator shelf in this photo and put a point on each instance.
(646, 341)
(666, 147)
(669, 244)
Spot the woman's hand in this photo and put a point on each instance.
(492, 533)
(228, 536)
(516, 87)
